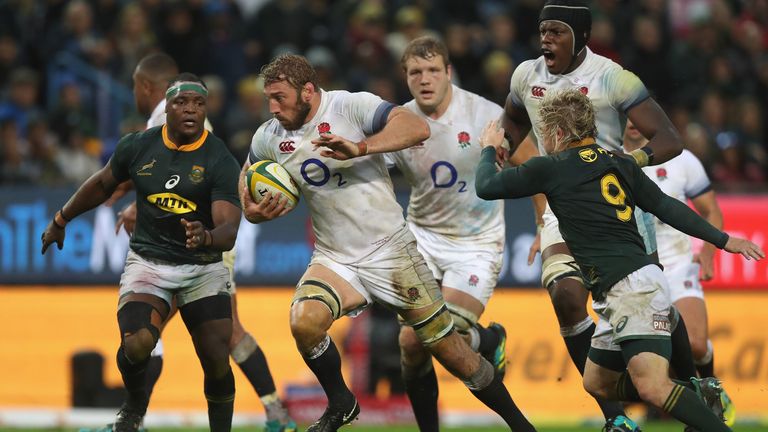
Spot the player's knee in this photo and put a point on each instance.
(138, 333)
(315, 305)
(433, 324)
(569, 304)
(557, 267)
(214, 358)
(243, 349)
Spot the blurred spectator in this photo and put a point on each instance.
(134, 38)
(216, 106)
(9, 58)
(647, 58)
(42, 153)
(77, 160)
(326, 68)
(15, 170)
(503, 37)
(70, 119)
(181, 33)
(409, 24)
(245, 116)
(464, 58)
(497, 70)
(225, 46)
(602, 40)
(22, 99)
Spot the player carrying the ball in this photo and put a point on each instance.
(331, 143)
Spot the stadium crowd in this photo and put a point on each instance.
(66, 65)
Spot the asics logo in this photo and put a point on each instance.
(172, 182)
(286, 147)
(538, 92)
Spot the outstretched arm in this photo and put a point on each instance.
(96, 190)
(403, 129)
(706, 205)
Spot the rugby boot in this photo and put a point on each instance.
(620, 423)
(335, 417)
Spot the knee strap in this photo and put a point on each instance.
(482, 377)
(558, 267)
(134, 316)
(244, 349)
(320, 290)
(432, 325)
(463, 319)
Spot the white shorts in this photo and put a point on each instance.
(636, 307)
(228, 259)
(395, 274)
(467, 266)
(683, 279)
(187, 282)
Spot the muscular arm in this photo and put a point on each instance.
(96, 190)
(226, 221)
(653, 123)
(402, 130)
(516, 124)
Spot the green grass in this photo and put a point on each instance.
(648, 427)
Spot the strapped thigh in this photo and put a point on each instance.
(557, 267)
(313, 288)
(433, 324)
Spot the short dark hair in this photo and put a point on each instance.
(159, 66)
(187, 76)
(291, 68)
(426, 47)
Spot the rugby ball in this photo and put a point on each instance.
(269, 176)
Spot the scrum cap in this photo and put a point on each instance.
(574, 14)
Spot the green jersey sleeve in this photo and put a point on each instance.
(516, 182)
(672, 212)
(225, 181)
(121, 158)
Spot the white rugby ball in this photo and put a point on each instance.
(269, 176)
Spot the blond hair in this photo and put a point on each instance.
(569, 110)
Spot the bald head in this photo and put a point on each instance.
(150, 80)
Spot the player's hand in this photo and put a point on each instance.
(122, 189)
(492, 135)
(52, 234)
(126, 218)
(706, 260)
(195, 231)
(336, 147)
(270, 207)
(744, 247)
(535, 248)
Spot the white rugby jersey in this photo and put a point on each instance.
(612, 90)
(158, 117)
(351, 202)
(441, 171)
(681, 178)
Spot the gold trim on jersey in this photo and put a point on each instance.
(585, 142)
(186, 147)
(172, 203)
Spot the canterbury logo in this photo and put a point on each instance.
(538, 92)
(286, 147)
(172, 203)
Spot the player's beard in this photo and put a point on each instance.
(302, 111)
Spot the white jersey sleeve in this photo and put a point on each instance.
(518, 84)
(697, 181)
(624, 89)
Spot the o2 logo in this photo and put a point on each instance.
(324, 170)
(443, 183)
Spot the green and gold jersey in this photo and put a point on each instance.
(173, 183)
(593, 193)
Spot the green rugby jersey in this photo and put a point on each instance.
(172, 184)
(593, 193)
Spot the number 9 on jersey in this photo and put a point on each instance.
(269, 176)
